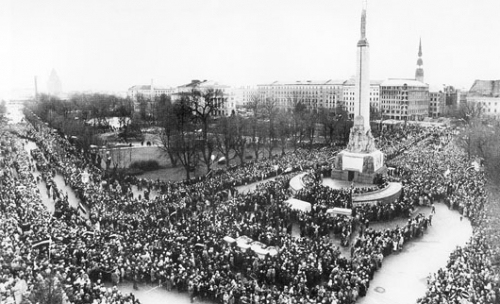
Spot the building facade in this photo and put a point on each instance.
(348, 95)
(436, 101)
(225, 103)
(443, 100)
(486, 94)
(54, 85)
(243, 95)
(149, 92)
(313, 94)
(404, 99)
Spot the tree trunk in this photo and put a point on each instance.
(173, 159)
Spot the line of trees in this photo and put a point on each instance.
(3, 108)
(193, 136)
(479, 136)
(71, 117)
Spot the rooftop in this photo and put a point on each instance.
(489, 88)
(304, 82)
(146, 87)
(203, 84)
(372, 82)
(399, 82)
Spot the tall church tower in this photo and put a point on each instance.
(419, 73)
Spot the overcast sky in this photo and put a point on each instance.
(114, 44)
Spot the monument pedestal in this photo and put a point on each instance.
(360, 167)
(361, 161)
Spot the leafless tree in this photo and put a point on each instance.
(284, 129)
(167, 116)
(204, 105)
(255, 106)
(270, 110)
(225, 137)
(240, 139)
(468, 111)
(184, 143)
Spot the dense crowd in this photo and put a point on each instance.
(178, 238)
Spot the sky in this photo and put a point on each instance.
(111, 45)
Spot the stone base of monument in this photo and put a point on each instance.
(359, 177)
(359, 167)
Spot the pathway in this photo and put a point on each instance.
(251, 187)
(42, 187)
(403, 277)
(59, 180)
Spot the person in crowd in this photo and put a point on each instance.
(176, 238)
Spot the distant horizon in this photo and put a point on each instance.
(30, 91)
(112, 45)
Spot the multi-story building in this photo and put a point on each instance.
(348, 95)
(443, 100)
(404, 99)
(225, 103)
(312, 94)
(243, 95)
(436, 101)
(149, 92)
(54, 86)
(486, 94)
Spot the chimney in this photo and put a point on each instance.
(36, 89)
(152, 90)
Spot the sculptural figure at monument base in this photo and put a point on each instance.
(360, 141)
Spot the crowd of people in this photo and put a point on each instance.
(179, 238)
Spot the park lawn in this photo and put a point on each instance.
(170, 174)
(125, 156)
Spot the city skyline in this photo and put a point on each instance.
(112, 45)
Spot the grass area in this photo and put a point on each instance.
(126, 156)
(145, 165)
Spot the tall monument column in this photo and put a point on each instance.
(361, 161)
(362, 85)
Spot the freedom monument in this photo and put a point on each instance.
(361, 161)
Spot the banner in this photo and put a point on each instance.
(41, 243)
(351, 163)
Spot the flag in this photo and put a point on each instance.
(447, 172)
(82, 208)
(42, 243)
(25, 227)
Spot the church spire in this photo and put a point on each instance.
(420, 48)
(419, 73)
